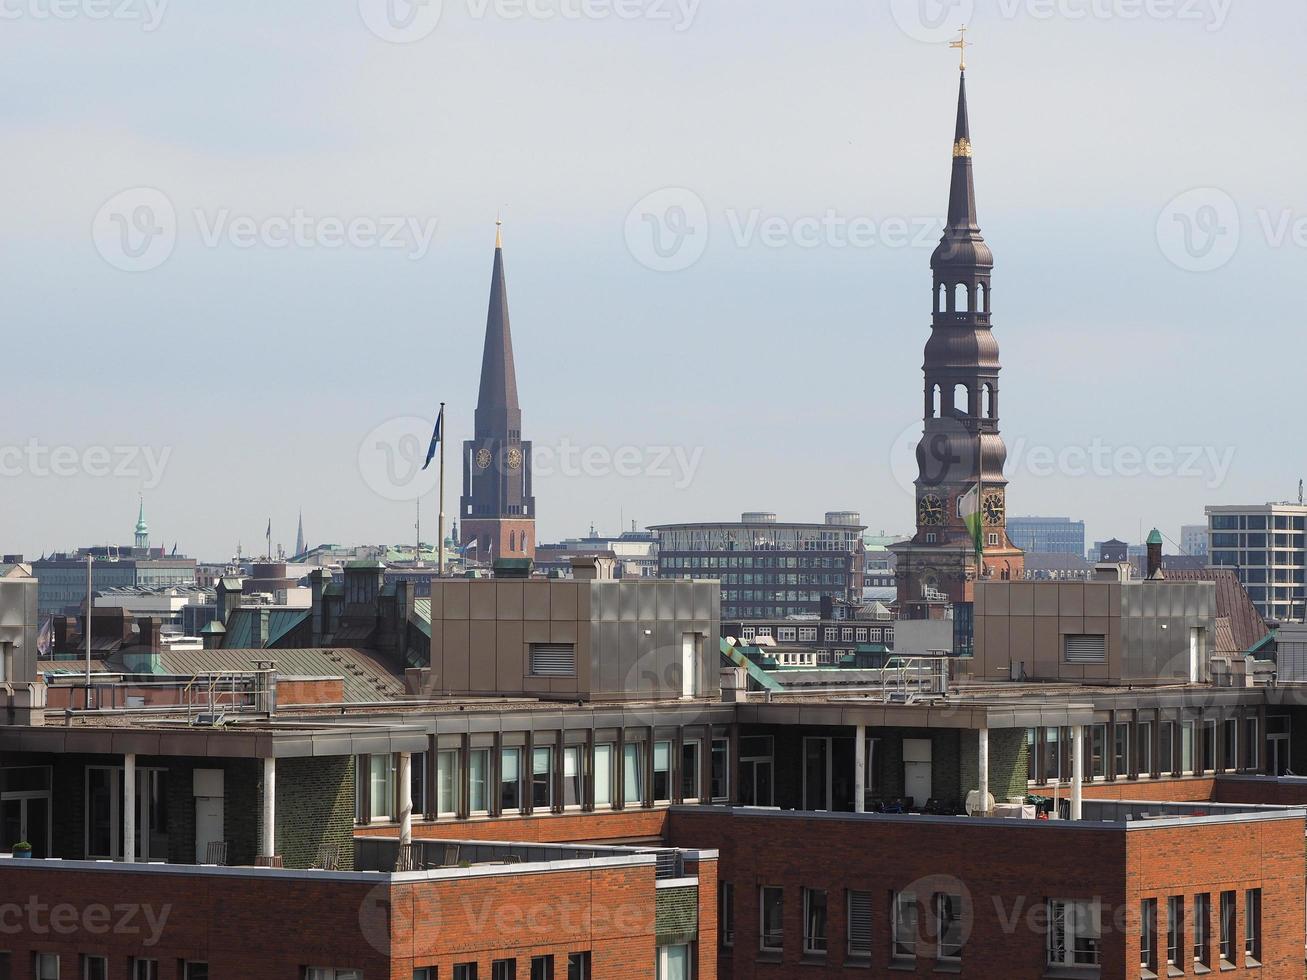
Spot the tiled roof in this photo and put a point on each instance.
(1246, 625)
(366, 676)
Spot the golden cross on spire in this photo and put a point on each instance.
(962, 44)
(499, 231)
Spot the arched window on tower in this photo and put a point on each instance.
(962, 298)
(936, 402)
(987, 401)
(961, 400)
(512, 542)
(982, 298)
(940, 298)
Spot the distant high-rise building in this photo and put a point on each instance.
(1048, 535)
(1193, 540)
(1266, 545)
(498, 511)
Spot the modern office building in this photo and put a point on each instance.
(63, 578)
(769, 568)
(1266, 544)
(1193, 540)
(1048, 535)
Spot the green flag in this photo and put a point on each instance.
(969, 509)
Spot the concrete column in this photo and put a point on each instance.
(405, 777)
(1077, 769)
(860, 769)
(269, 817)
(129, 807)
(982, 770)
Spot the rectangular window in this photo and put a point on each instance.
(510, 780)
(578, 966)
(633, 774)
(1073, 933)
(603, 775)
(542, 778)
(446, 784)
(553, 660)
(1230, 744)
(721, 786)
(1209, 746)
(726, 911)
(1252, 758)
(425, 973)
(948, 911)
(903, 925)
(45, 966)
(814, 921)
(142, 970)
(1144, 749)
(478, 770)
(331, 973)
(503, 970)
(195, 971)
(465, 971)
(859, 925)
(662, 772)
(95, 968)
(1121, 750)
(771, 908)
(1186, 747)
(573, 787)
(381, 786)
(1202, 929)
(1252, 927)
(1097, 752)
(1166, 748)
(690, 752)
(1148, 935)
(1084, 648)
(1227, 928)
(673, 963)
(1175, 932)
(542, 968)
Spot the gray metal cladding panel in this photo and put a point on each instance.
(684, 600)
(666, 592)
(667, 634)
(705, 599)
(606, 657)
(633, 662)
(647, 599)
(603, 602)
(628, 604)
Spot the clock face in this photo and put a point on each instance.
(994, 509)
(930, 510)
(483, 458)
(514, 458)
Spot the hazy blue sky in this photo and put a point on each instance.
(783, 363)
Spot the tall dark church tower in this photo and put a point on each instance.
(498, 511)
(961, 454)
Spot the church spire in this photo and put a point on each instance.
(962, 192)
(497, 400)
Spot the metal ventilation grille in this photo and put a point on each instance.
(1086, 648)
(859, 923)
(553, 660)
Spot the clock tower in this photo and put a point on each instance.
(497, 509)
(961, 493)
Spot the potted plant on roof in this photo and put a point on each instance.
(22, 850)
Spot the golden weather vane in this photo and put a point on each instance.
(962, 44)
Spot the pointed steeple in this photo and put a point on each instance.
(142, 529)
(300, 546)
(497, 405)
(962, 244)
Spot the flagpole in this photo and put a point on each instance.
(440, 504)
(980, 502)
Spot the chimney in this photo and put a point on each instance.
(1154, 572)
(317, 583)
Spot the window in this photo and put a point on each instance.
(673, 963)
(721, 787)
(632, 774)
(542, 968)
(553, 660)
(1121, 748)
(510, 780)
(1144, 749)
(771, 907)
(446, 784)
(1227, 928)
(145, 970)
(503, 970)
(1252, 927)
(814, 921)
(45, 966)
(807, 634)
(603, 775)
(903, 925)
(1186, 746)
(578, 966)
(1073, 933)
(195, 971)
(331, 973)
(1251, 757)
(425, 973)
(662, 772)
(690, 771)
(1202, 929)
(465, 971)
(948, 909)
(381, 787)
(478, 770)
(542, 778)
(1148, 935)
(1084, 648)
(1097, 752)
(859, 925)
(1175, 931)
(726, 911)
(95, 968)
(573, 788)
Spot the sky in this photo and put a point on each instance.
(245, 252)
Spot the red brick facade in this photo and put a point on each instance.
(550, 828)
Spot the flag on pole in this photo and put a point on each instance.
(969, 511)
(435, 439)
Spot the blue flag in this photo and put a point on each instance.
(435, 439)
